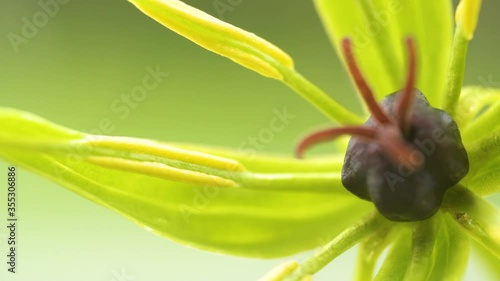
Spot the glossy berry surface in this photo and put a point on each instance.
(405, 156)
(411, 189)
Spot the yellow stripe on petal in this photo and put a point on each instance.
(160, 171)
(147, 147)
(243, 47)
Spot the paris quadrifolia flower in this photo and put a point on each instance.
(411, 181)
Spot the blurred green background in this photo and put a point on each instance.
(90, 53)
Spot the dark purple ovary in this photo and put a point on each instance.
(406, 155)
(408, 190)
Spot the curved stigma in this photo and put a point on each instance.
(390, 134)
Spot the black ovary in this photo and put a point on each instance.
(400, 193)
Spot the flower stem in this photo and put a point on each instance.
(485, 183)
(243, 47)
(471, 109)
(327, 105)
(483, 124)
(398, 258)
(451, 251)
(337, 246)
(424, 237)
(484, 152)
(476, 216)
(456, 70)
(369, 252)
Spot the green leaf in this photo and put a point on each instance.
(242, 47)
(217, 36)
(378, 29)
(451, 252)
(486, 181)
(277, 163)
(489, 261)
(483, 125)
(370, 250)
(476, 216)
(483, 152)
(472, 104)
(231, 220)
(395, 265)
(423, 240)
(344, 241)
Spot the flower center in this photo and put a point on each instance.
(392, 132)
(405, 156)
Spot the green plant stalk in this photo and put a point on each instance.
(460, 245)
(398, 258)
(456, 71)
(423, 239)
(369, 252)
(473, 100)
(476, 216)
(242, 47)
(314, 95)
(483, 125)
(483, 152)
(485, 183)
(338, 245)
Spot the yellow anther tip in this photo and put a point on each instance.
(467, 16)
